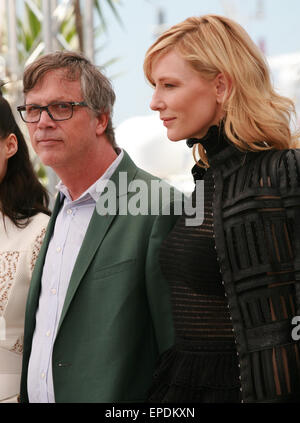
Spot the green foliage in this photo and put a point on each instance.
(29, 27)
(28, 31)
(111, 4)
(69, 31)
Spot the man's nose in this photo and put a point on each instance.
(45, 120)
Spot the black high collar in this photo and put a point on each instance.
(218, 150)
(213, 142)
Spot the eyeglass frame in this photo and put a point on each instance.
(22, 108)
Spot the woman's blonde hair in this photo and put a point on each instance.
(256, 117)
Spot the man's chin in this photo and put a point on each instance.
(49, 160)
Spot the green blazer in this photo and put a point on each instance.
(116, 317)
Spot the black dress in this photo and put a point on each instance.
(203, 365)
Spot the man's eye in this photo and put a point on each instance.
(169, 85)
(32, 109)
(61, 106)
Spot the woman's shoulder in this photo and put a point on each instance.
(288, 160)
(39, 219)
(21, 238)
(278, 158)
(38, 222)
(278, 155)
(284, 167)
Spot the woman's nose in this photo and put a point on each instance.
(156, 103)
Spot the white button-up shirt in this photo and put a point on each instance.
(69, 231)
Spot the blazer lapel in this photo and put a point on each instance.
(97, 229)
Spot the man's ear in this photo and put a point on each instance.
(102, 121)
(223, 87)
(11, 145)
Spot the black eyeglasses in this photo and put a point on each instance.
(31, 113)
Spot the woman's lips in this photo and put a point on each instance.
(168, 121)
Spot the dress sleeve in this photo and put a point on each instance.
(288, 177)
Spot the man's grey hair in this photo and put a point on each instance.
(96, 88)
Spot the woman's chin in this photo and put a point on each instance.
(175, 138)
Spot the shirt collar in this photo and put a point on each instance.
(92, 192)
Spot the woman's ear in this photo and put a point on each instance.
(11, 145)
(223, 87)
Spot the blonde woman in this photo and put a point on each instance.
(235, 279)
(23, 220)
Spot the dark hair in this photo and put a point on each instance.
(21, 193)
(96, 88)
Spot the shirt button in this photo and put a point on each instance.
(53, 291)
(58, 249)
(69, 211)
(48, 333)
(43, 375)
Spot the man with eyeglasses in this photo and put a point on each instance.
(98, 311)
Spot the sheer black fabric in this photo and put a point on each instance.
(203, 364)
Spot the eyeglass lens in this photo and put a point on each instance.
(58, 111)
